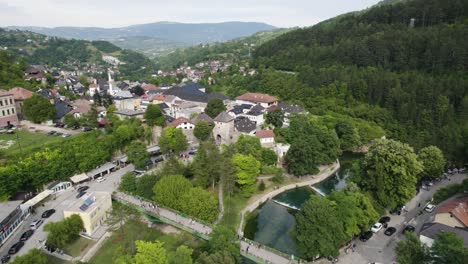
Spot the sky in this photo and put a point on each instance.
(118, 13)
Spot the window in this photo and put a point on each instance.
(3, 112)
(11, 101)
(1, 102)
(8, 111)
(13, 110)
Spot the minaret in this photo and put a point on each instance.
(111, 92)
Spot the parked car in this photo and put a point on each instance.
(48, 213)
(158, 159)
(82, 189)
(390, 231)
(15, 248)
(396, 210)
(100, 179)
(75, 127)
(376, 227)
(86, 129)
(26, 235)
(80, 194)
(408, 228)
(36, 224)
(384, 219)
(51, 133)
(365, 236)
(429, 208)
(6, 258)
(65, 135)
(58, 134)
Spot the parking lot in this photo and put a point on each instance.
(381, 248)
(59, 202)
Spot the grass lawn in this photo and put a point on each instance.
(54, 260)
(233, 205)
(136, 230)
(29, 142)
(79, 246)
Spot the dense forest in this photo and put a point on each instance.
(401, 65)
(11, 71)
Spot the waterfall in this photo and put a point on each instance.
(318, 190)
(286, 205)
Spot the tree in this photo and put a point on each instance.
(348, 135)
(214, 107)
(248, 145)
(145, 184)
(269, 157)
(391, 170)
(70, 121)
(411, 250)
(169, 190)
(449, 248)
(38, 109)
(432, 160)
(222, 247)
(318, 229)
(172, 140)
(33, 256)
(137, 154)
(200, 204)
(150, 253)
(119, 215)
(182, 255)
(154, 116)
(246, 169)
(202, 130)
(208, 165)
(128, 183)
(63, 232)
(275, 118)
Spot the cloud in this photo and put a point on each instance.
(114, 13)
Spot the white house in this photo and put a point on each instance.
(267, 137)
(182, 123)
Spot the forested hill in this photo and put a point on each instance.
(409, 57)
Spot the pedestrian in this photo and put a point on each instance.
(247, 249)
(419, 204)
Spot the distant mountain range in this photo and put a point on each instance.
(159, 38)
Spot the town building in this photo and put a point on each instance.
(93, 209)
(430, 232)
(11, 217)
(182, 123)
(7, 109)
(453, 213)
(19, 95)
(203, 117)
(267, 137)
(245, 126)
(264, 100)
(224, 131)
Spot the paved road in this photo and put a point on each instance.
(59, 202)
(381, 248)
(27, 125)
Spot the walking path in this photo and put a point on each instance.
(90, 253)
(220, 202)
(171, 217)
(261, 252)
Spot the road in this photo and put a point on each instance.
(28, 125)
(381, 248)
(59, 202)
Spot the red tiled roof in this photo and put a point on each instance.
(159, 97)
(93, 85)
(265, 134)
(3, 93)
(457, 207)
(179, 121)
(257, 98)
(150, 87)
(20, 93)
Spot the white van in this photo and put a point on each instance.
(35, 224)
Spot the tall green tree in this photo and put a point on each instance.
(318, 229)
(38, 109)
(269, 157)
(207, 165)
(137, 154)
(63, 232)
(150, 253)
(33, 256)
(173, 140)
(275, 118)
(182, 255)
(202, 130)
(411, 250)
(248, 145)
(246, 169)
(432, 160)
(154, 116)
(214, 107)
(200, 204)
(169, 190)
(449, 248)
(348, 135)
(128, 183)
(391, 170)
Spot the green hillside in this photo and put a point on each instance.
(234, 49)
(404, 64)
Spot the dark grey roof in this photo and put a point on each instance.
(169, 118)
(291, 108)
(45, 93)
(224, 117)
(244, 125)
(61, 109)
(204, 117)
(239, 109)
(188, 92)
(163, 106)
(256, 110)
(217, 95)
(123, 85)
(431, 230)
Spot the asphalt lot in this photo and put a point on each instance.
(59, 202)
(381, 248)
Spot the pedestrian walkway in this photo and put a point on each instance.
(168, 216)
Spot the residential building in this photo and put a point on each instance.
(93, 209)
(267, 137)
(182, 123)
(93, 89)
(124, 100)
(7, 109)
(80, 107)
(203, 117)
(245, 126)
(453, 213)
(224, 131)
(61, 109)
(19, 95)
(264, 100)
(430, 231)
(11, 217)
(124, 114)
(256, 114)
